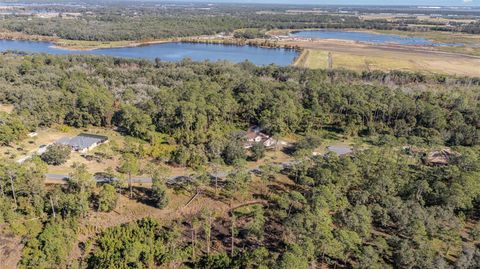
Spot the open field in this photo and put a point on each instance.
(91, 45)
(362, 57)
(29, 147)
(472, 42)
(437, 36)
(396, 17)
(22, 36)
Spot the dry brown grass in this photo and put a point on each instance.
(30, 145)
(10, 250)
(426, 18)
(129, 210)
(360, 57)
(7, 108)
(22, 36)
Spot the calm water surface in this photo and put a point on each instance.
(369, 37)
(173, 52)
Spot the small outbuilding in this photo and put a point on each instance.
(83, 142)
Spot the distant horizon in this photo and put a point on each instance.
(378, 3)
(430, 3)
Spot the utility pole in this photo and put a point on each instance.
(53, 207)
(232, 247)
(1, 189)
(130, 184)
(208, 235)
(330, 66)
(13, 189)
(215, 172)
(193, 241)
(329, 61)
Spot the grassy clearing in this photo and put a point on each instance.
(10, 248)
(22, 36)
(91, 45)
(317, 59)
(423, 18)
(7, 108)
(441, 37)
(365, 60)
(99, 159)
(94, 164)
(30, 145)
(471, 42)
(465, 50)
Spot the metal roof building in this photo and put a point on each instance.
(83, 142)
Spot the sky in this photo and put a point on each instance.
(357, 2)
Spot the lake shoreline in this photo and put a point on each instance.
(307, 52)
(85, 45)
(133, 44)
(167, 50)
(272, 41)
(81, 45)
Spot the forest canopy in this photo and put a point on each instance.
(381, 207)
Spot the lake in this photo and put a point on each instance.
(173, 52)
(368, 37)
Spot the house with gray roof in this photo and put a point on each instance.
(83, 142)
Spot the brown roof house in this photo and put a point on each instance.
(254, 135)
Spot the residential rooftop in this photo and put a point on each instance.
(82, 141)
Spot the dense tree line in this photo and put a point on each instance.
(141, 244)
(46, 219)
(114, 26)
(201, 107)
(131, 22)
(472, 28)
(378, 209)
(11, 129)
